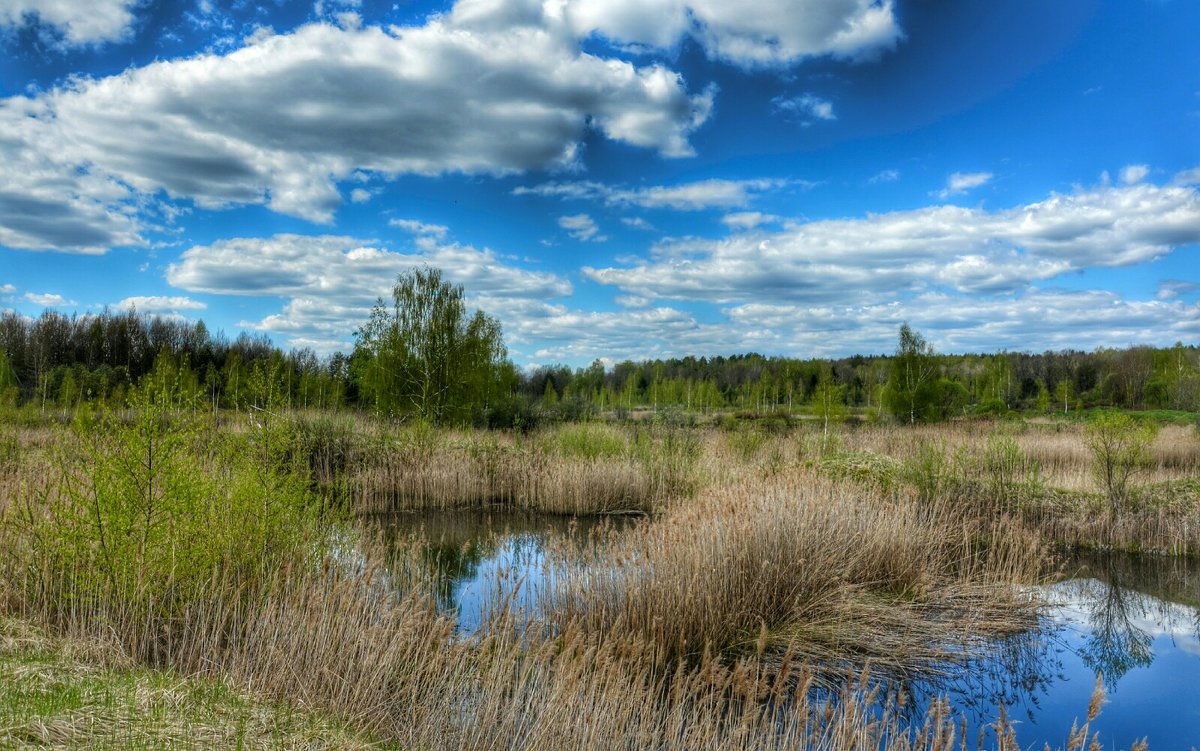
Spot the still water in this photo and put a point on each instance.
(1135, 620)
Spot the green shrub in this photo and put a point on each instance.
(1008, 474)
(1120, 447)
(142, 513)
(587, 441)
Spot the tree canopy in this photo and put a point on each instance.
(425, 357)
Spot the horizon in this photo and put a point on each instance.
(614, 181)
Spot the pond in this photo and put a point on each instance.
(1134, 619)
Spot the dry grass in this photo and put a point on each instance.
(696, 630)
(798, 561)
(568, 470)
(58, 693)
(1057, 448)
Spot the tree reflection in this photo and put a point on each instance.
(1128, 601)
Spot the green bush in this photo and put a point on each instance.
(1120, 447)
(142, 513)
(587, 441)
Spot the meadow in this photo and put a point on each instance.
(779, 573)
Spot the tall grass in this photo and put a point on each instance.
(696, 630)
(820, 566)
(564, 470)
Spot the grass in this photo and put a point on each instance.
(757, 576)
(797, 561)
(574, 469)
(64, 693)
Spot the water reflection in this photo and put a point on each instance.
(1125, 602)
(1133, 619)
(1136, 620)
(474, 561)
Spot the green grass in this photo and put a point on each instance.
(59, 693)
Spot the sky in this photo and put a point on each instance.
(613, 179)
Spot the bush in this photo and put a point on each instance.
(140, 515)
(1120, 448)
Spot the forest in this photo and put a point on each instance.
(61, 361)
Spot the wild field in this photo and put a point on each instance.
(769, 562)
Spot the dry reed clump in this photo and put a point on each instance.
(574, 470)
(800, 560)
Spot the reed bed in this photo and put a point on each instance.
(570, 470)
(802, 561)
(696, 630)
(1058, 449)
(336, 637)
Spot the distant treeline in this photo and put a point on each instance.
(63, 361)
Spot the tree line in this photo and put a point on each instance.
(424, 354)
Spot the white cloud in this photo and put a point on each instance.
(360, 195)
(1187, 177)
(961, 182)
(79, 23)
(1134, 173)
(636, 222)
(883, 256)
(283, 119)
(419, 228)
(7, 289)
(160, 304)
(1034, 321)
(885, 176)
(581, 227)
(329, 283)
(744, 220)
(694, 196)
(1170, 289)
(745, 33)
(805, 107)
(47, 299)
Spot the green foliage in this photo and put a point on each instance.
(1120, 448)
(930, 471)
(425, 357)
(145, 509)
(10, 451)
(668, 455)
(588, 441)
(912, 391)
(1008, 474)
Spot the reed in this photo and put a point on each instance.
(568, 470)
(800, 561)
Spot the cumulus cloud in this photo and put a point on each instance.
(885, 176)
(160, 304)
(329, 282)
(581, 227)
(693, 196)
(637, 222)
(419, 228)
(743, 220)
(77, 23)
(1134, 173)
(1037, 320)
(748, 34)
(7, 289)
(281, 120)
(961, 182)
(881, 256)
(47, 299)
(806, 107)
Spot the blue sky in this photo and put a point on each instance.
(613, 178)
